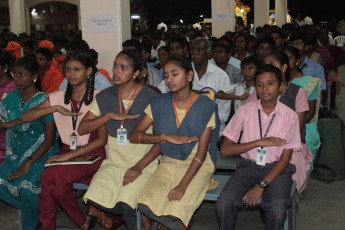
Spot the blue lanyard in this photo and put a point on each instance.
(269, 125)
(75, 118)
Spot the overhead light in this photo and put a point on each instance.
(181, 21)
(201, 16)
(135, 17)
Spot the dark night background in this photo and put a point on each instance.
(190, 10)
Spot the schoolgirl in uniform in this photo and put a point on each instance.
(186, 130)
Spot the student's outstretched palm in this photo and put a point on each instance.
(179, 139)
(65, 111)
(121, 116)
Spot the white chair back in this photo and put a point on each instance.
(339, 41)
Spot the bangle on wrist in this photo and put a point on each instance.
(199, 161)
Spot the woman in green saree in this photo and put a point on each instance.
(28, 145)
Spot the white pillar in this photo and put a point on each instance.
(261, 12)
(281, 10)
(223, 17)
(17, 16)
(107, 41)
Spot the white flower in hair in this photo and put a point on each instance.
(197, 26)
(162, 25)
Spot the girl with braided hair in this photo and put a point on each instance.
(69, 107)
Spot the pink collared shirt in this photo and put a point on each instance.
(285, 125)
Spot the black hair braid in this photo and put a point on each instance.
(90, 89)
(68, 93)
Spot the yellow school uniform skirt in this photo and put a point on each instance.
(107, 188)
(167, 176)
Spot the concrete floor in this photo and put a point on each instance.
(322, 206)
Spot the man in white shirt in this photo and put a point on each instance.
(157, 42)
(208, 77)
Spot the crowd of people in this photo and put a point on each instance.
(175, 99)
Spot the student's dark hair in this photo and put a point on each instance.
(30, 64)
(282, 58)
(227, 48)
(181, 61)
(310, 39)
(147, 44)
(165, 48)
(45, 52)
(265, 39)
(258, 29)
(250, 60)
(29, 44)
(252, 38)
(87, 61)
(80, 45)
(241, 34)
(226, 39)
(58, 52)
(6, 59)
(133, 57)
(297, 36)
(295, 52)
(143, 66)
(277, 30)
(182, 41)
(94, 54)
(268, 68)
(133, 43)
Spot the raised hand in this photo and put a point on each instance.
(132, 174)
(10, 124)
(65, 111)
(176, 193)
(179, 139)
(120, 116)
(272, 141)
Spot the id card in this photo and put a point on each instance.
(122, 136)
(261, 157)
(73, 142)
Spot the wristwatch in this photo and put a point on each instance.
(263, 184)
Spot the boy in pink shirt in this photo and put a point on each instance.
(264, 176)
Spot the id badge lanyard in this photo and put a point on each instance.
(73, 143)
(122, 132)
(261, 153)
